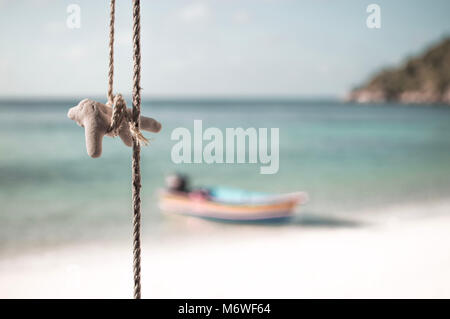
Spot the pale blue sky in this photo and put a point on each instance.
(211, 47)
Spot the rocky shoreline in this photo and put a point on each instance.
(406, 97)
(420, 80)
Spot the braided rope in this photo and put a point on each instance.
(136, 171)
(120, 114)
(111, 52)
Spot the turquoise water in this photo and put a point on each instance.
(347, 157)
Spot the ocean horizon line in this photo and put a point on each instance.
(177, 98)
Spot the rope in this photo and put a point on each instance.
(111, 52)
(136, 169)
(119, 114)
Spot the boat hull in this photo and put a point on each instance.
(273, 207)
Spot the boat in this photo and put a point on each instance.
(232, 204)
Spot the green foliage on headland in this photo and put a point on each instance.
(421, 79)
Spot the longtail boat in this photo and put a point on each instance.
(232, 204)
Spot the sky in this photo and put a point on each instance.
(309, 48)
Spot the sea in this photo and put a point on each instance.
(351, 159)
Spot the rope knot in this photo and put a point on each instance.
(121, 113)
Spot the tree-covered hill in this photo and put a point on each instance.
(421, 79)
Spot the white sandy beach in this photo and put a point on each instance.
(395, 258)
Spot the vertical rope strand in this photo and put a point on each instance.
(136, 172)
(111, 52)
